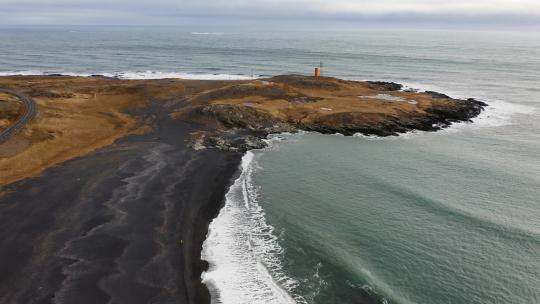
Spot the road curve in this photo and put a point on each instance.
(25, 118)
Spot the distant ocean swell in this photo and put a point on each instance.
(135, 75)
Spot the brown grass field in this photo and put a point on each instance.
(77, 115)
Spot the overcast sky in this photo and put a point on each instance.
(171, 12)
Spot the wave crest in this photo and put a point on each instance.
(243, 252)
(136, 75)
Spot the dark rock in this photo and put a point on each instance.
(103, 76)
(236, 142)
(438, 118)
(464, 110)
(237, 116)
(437, 94)
(240, 127)
(385, 86)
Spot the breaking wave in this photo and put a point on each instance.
(243, 252)
(136, 75)
(496, 114)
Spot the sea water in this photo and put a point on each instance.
(446, 217)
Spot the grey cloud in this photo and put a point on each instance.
(177, 11)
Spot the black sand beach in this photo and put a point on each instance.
(124, 224)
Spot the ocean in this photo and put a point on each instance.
(445, 217)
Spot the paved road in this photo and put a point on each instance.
(28, 114)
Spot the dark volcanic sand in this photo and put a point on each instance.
(122, 225)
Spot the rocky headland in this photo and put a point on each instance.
(239, 116)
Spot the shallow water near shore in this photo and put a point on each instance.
(446, 217)
(398, 219)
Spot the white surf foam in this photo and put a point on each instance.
(39, 73)
(139, 75)
(243, 252)
(165, 75)
(498, 113)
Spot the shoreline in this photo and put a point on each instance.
(139, 209)
(127, 225)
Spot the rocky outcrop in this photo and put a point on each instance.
(237, 116)
(235, 127)
(245, 127)
(326, 105)
(464, 110)
(437, 94)
(385, 86)
(436, 119)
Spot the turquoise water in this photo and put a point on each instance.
(424, 219)
(447, 217)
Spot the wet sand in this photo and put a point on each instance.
(124, 224)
